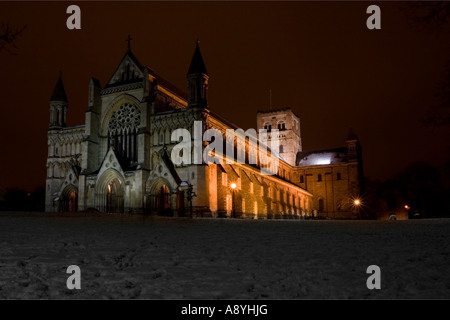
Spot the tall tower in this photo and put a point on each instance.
(353, 146)
(354, 154)
(288, 125)
(197, 78)
(58, 106)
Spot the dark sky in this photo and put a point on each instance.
(316, 57)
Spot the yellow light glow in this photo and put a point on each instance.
(233, 185)
(406, 207)
(357, 202)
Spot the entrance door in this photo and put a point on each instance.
(114, 197)
(72, 204)
(69, 200)
(163, 201)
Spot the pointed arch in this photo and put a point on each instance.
(158, 197)
(109, 192)
(121, 125)
(115, 105)
(69, 199)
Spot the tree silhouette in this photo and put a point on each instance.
(8, 36)
(420, 185)
(15, 199)
(423, 189)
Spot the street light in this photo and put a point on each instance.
(190, 194)
(357, 202)
(233, 186)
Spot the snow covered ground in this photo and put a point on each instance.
(162, 258)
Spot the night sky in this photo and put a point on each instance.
(317, 58)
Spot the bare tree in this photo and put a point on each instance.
(8, 36)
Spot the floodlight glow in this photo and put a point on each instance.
(323, 161)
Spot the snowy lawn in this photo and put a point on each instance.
(165, 258)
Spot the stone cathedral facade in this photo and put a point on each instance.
(119, 160)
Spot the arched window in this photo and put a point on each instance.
(319, 177)
(302, 179)
(281, 148)
(122, 132)
(321, 205)
(338, 176)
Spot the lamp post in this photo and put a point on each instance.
(190, 194)
(233, 186)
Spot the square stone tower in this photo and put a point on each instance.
(288, 125)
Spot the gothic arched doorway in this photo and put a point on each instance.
(69, 199)
(163, 201)
(114, 196)
(110, 192)
(159, 198)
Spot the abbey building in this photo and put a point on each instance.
(119, 160)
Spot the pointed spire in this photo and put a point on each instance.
(59, 94)
(197, 64)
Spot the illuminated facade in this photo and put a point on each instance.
(119, 160)
(332, 176)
